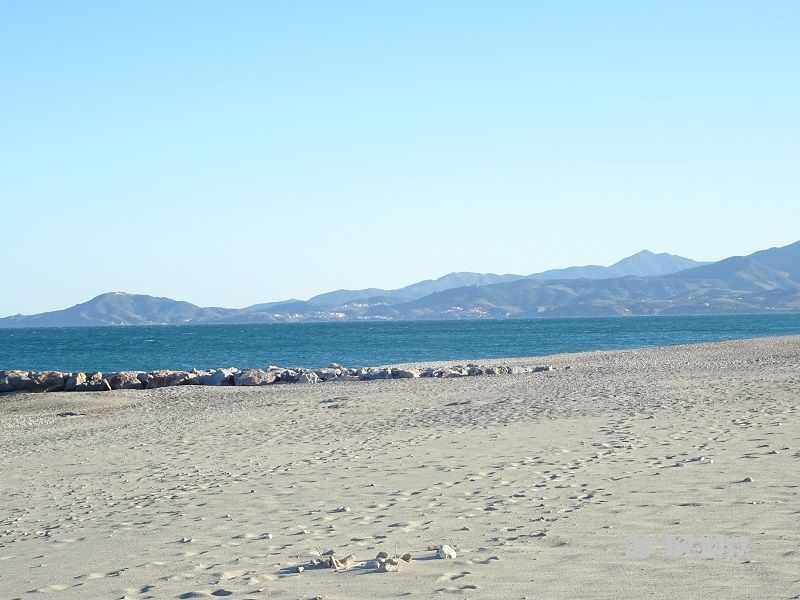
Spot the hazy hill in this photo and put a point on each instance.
(118, 308)
(783, 261)
(642, 263)
(415, 290)
(767, 280)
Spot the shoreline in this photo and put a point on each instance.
(21, 382)
(420, 320)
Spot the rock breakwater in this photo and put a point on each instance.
(56, 381)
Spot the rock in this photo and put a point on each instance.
(288, 376)
(252, 377)
(308, 377)
(199, 374)
(74, 381)
(370, 374)
(92, 382)
(14, 381)
(540, 369)
(385, 373)
(47, 381)
(327, 374)
(446, 551)
(159, 379)
(406, 557)
(219, 377)
(124, 381)
(82, 382)
(404, 373)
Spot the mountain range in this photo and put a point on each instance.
(642, 284)
(642, 263)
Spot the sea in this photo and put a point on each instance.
(360, 344)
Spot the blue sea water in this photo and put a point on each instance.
(358, 344)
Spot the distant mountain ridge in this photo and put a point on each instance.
(642, 284)
(642, 263)
(119, 308)
(415, 290)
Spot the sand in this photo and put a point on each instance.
(538, 482)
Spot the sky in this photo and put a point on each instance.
(235, 153)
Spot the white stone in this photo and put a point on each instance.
(219, 377)
(404, 373)
(308, 377)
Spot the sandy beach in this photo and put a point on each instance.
(661, 473)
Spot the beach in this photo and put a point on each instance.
(668, 473)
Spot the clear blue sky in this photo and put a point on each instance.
(234, 153)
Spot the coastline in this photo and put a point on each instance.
(17, 381)
(537, 480)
